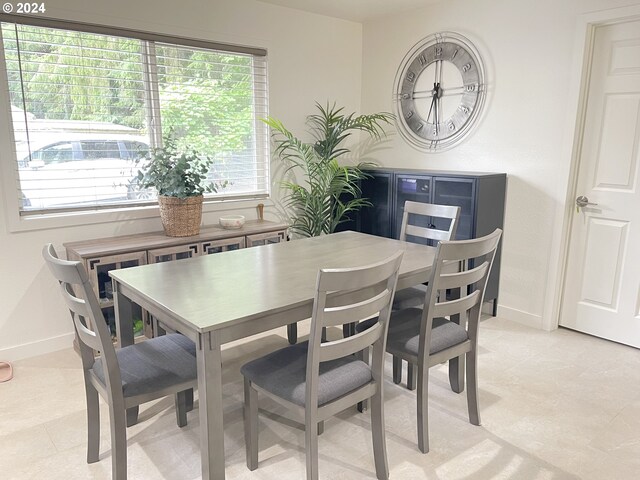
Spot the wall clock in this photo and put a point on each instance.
(439, 91)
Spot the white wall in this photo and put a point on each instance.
(311, 58)
(528, 48)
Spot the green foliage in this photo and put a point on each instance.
(100, 81)
(137, 327)
(329, 191)
(206, 97)
(176, 172)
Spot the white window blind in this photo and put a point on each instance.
(86, 105)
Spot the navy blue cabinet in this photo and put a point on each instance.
(480, 196)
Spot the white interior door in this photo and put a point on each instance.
(602, 285)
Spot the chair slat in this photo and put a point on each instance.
(469, 249)
(333, 316)
(462, 279)
(431, 209)
(335, 279)
(79, 308)
(458, 306)
(428, 233)
(350, 345)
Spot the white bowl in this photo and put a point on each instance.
(232, 222)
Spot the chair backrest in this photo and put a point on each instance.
(478, 253)
(431, 229)
(347, 295)
(91, 329)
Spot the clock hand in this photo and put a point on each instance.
(430, 108)
(429, 93)
(437, 92)
(436, 116)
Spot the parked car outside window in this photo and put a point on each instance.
(75, 168)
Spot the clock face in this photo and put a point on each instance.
(439, 91)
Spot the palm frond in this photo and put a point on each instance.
(327, 192)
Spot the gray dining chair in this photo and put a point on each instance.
(315, 380)
(426, 337)
(425, 223)
(431, 232)
(126, 377)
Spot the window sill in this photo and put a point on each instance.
(15, 223)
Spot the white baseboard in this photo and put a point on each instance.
(40, 347)
(518, 316)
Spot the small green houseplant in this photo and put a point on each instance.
(180, 176)
(325, 191)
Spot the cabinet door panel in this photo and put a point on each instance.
(98, 269)
(459, 192)
(416, 188)
(169, 254)
(376, 219)
(265, 238)
(219, 246)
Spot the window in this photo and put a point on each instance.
(87, 102)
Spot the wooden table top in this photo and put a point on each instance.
(218, 291)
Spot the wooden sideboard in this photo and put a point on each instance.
(99, 256)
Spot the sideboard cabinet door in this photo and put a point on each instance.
(266, 238)
(98, 269)
(169, 254)
(219, 246)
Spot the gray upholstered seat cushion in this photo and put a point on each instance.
(404, 333)
(154, 364)
(283, 373)
(409, 297)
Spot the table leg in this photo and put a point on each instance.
(456, 374)
(123, 308)
(209, 361)
(124, 317)
(292, 333)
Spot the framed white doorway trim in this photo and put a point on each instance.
(574, 126)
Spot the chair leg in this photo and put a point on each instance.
(378, 434)
(412, 376)
(472, 388)
(132, 416)
(189, 399)
(397, 370)
(118, 442)
(423, 409)
(93, 423)
(456, 374)
(311, 445)
(181, 408)
(320, 428)
(292, 333)
(251, 425)
(363, 355)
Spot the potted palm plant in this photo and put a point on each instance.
(324, 192)
(180, 177)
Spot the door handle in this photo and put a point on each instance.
(583, 201)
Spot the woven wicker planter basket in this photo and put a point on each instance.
(181, 217)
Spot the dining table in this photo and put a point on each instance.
(216, 299)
